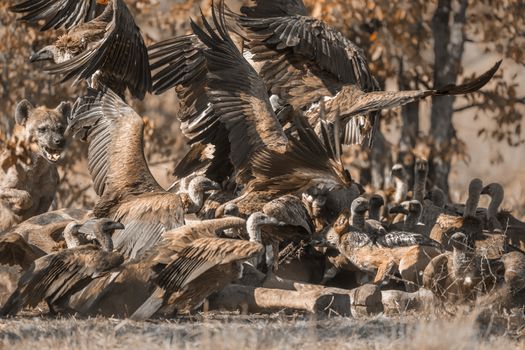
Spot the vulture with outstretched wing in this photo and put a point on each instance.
(128, 191)
(108, 50)
(304, 61)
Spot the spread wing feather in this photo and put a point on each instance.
(145, 218)
(238, 97)
(405, 239)
(200, 256)
(120, 54)
(180, 63)
(114, 132)
(54, 276)
(306, 163)
(57, 13)
(290, 209)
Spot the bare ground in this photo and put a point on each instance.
(277, 331)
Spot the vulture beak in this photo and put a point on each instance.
(212, 186)
(115, 226)
(273, 221)
(318, 240)
(485, 190)
(458, 237)
(45, 54)
(398, 209)
(173, 186)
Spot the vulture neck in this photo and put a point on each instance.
(495, 201)
(419, 186)
(358, 220)
(196, 195)
(71, 239)
(472, 204)
(412, 219)
(401, 190)
(253, 229)
(374, 213)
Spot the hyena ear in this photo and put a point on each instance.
(64, 108)
(23, 108)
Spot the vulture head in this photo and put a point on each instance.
(398, 171)
(360, 205)
(100, 231)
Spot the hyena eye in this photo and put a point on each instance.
(42, 129)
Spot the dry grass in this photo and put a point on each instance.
(227, 331)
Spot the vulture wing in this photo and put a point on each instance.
(201, 255)
(120, 54)
(353, 102)
(57, 13)
(405, 239)
(238, 97)
(290, 209)
(176, 240)
(145, 218)
(180, 62)
(306, 163)
(58, 275)
(114, 132)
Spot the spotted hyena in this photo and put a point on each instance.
(29, 178)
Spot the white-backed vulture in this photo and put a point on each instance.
(420, 179)
(400, 177)
(433, 206)
(128, 191)
(200, 264)
(412, 210)
(227, 100)
(108, 50)
(376, 202)
(55, 277)
(293, 225)
(304, 61)
(446, 225)
(358, 209)
(500, 220)
(193, 195)
(120, 294)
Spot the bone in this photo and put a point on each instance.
(267, 300)
(397, 302)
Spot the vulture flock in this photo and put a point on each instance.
(264, 215)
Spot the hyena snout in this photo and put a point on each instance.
(59, 141)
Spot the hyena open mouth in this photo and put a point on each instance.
(52, 155)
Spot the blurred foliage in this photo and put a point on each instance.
(395, 34)
(397, 37)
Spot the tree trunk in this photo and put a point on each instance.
(448, 25)
(410, 123)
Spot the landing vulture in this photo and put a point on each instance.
(128, 191)
(109, 50)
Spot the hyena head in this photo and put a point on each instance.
(44, 127)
